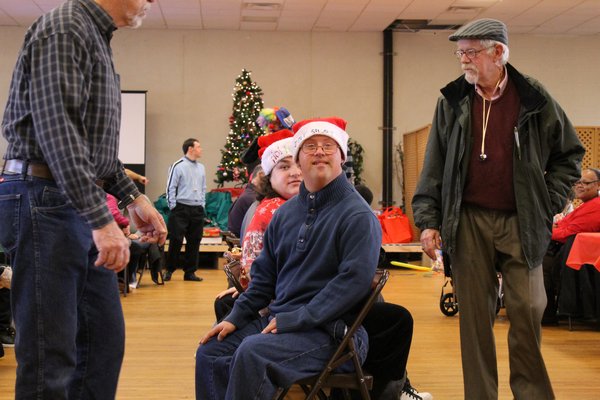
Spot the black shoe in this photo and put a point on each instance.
(167, 275)
(156, 274)
(191, 277)
(7, 337)
(155, 277)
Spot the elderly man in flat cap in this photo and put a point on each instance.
(500, 161)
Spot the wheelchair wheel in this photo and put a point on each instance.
(448, 305)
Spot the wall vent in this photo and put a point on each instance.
(416, 25)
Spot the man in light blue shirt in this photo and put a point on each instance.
(186, 189)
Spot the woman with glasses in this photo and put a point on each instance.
(584, 218)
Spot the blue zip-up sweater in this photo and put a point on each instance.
(319, 258)
(186, 183)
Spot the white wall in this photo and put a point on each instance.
(190, 76)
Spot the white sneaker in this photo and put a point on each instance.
(410, 393)
(133, 283)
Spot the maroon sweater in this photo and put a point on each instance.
(489, 183)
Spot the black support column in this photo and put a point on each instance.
(388, 118)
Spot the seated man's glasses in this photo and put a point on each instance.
(584, 183)
(470, 53)
(311, 148)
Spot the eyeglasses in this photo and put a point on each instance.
(470, 53)
(584, 183)
(311, 148)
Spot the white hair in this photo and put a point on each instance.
(487, 43)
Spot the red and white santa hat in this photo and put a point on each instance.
(333, 127)
(274, 148)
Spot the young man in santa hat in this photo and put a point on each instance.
(318, 260)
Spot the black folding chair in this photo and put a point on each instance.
(357, 380)
(155, 267)
(232, 270)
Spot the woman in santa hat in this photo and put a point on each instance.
(281, 181)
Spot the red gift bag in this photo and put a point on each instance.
(395, 226)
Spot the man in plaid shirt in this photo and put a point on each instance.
(62, 126)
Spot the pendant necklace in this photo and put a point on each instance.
(486, 118)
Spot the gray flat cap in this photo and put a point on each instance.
(486, 28)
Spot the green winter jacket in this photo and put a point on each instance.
(546, 161)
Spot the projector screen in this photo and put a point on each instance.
(132, 144)
(132, 140)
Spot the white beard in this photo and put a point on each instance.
(471, 76)
(135, 21)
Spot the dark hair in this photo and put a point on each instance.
(365, 192)
(264, 189)
(187, 144)
(257, 170)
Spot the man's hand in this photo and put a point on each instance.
(232, 291)
(148, 221)
(271, 327)
(222, 329)
(431, 241)
(136, 177)
(113, 247)
(6, 277)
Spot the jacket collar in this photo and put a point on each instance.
(531, 98)
(334, 192)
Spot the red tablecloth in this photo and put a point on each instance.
(235, 192)
(585, 250)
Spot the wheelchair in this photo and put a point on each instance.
(449, 299)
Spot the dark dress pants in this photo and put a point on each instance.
(185, 221)
(390, 328)
(5, 314)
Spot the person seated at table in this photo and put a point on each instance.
(585, 218)
(244, 201)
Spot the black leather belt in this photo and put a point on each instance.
(39, 170)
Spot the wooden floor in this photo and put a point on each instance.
(164, 324)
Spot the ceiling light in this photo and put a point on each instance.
(464, 9)
(262, 6)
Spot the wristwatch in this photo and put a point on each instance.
(125, 201)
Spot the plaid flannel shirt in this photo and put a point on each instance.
(64, 106)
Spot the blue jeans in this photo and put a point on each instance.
(249, 365)
(70, 329)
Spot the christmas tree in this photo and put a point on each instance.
(247, 103)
